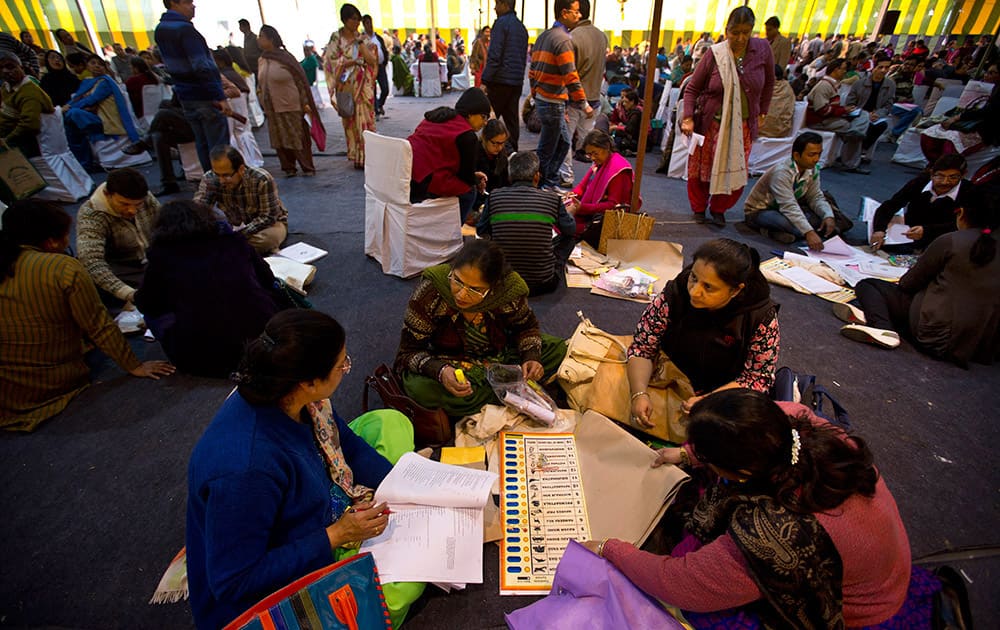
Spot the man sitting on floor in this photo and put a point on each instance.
(23, 104)
(113, 231)
(520, 218)
(249, 198)
(787, 202)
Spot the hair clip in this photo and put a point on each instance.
(796, 447)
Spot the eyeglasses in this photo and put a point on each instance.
(227, 176)
(941, 177)
(482, 293)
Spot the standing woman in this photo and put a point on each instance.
(725, 100)
(286, 99)
(351, 64)
(58, 82)
(477, 60)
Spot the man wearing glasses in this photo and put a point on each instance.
(249, 198)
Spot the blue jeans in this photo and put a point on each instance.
(466, 203)
(772, 220)
(210, 128)
(553, 140)
(904, 119)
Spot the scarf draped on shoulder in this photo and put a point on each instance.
(511, 288)
(729, 167)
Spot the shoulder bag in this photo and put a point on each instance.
(431, 427)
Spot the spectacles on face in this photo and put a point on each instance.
(346, 365)
(941, 177)
(481, 293)
(227, 176)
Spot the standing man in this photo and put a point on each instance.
(554, 84)
(383, 59)
(503, 73)
(781, 46)
(251, 49)
(197, 81)
(589, 44)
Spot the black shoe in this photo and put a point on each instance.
(782, 237)
(137, 148)
(858, 170)
(167, 189)
(699, 217)
(718, 220)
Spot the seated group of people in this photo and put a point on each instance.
(450, 160)
(193, 268)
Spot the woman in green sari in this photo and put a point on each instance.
(401, 77)
(468, 315)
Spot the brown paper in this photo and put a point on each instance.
(660, 258)
(625, 497)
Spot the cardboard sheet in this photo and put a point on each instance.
(625, 497)
(660, 258)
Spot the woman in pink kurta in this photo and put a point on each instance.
(792, 526)
(350, 63)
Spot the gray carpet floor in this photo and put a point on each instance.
(93, 502)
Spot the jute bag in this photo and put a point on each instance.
(668, 388)
(587, 349)
(19, 179)
(624, 225)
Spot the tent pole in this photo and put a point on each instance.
(647, 110)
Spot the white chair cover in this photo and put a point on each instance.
(152, 96)
(190, 162)
(67, 180)
(678, 168)
(672, 102)
(831, 147)
(428, 86)
(256, 114)
(109, 153)
(242, 135)
(766, 152)
(920, 94)
(405, 238)
(460, 80)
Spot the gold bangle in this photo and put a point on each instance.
(637, 394)
(600, 548)
(685, 458)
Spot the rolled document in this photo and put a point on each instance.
(525, 406)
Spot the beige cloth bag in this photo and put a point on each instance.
(586, 350)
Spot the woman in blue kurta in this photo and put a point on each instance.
(98, 110)
(271, 480)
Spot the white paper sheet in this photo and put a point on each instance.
(883, 270)
(303, 253)
(430, 544)
(896, 234)
(868, 208)
(419, 481)
(835, 250)
(808, 281)
(692, 142)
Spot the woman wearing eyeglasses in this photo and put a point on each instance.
(491, 156)
(464, 316)
(606, 185)
(279, 485)
(930, 200)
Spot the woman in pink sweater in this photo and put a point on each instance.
(792, 522)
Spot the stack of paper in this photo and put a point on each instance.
(435, 531)
(303, 253)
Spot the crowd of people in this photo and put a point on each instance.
(264, 510)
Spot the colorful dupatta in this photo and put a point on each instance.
(597, 179)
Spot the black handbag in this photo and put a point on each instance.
(431, 427)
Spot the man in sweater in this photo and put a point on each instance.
(555, 83)
(197, 81)
(787, 202)
(781, 46)
(589, 44)
(520, 219)
(29, 60)
(874, 94)
(249, 198)
(503, 72)
(23, 104)
(114, 229)
(826, 113)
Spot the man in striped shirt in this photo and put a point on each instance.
(554, 84)
(520, 219)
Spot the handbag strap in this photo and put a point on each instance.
(597, 332)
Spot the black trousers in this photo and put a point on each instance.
(505, 100)
(383, 88)
(885, 305)
(168, 129)
(875, 132)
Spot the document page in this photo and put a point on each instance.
(430, 544)
(419, 481)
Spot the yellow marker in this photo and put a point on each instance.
(460, 376)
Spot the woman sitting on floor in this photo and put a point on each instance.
(206, 292)
(793, 528)
(608, 183)
(97, 111)
(279, 485)
(48, 307)
(444, 151)
(465, 315)
(715, 321)
(492, 155)
(948, 304)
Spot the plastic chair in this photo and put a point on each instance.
(67, 180)
(405, 238)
